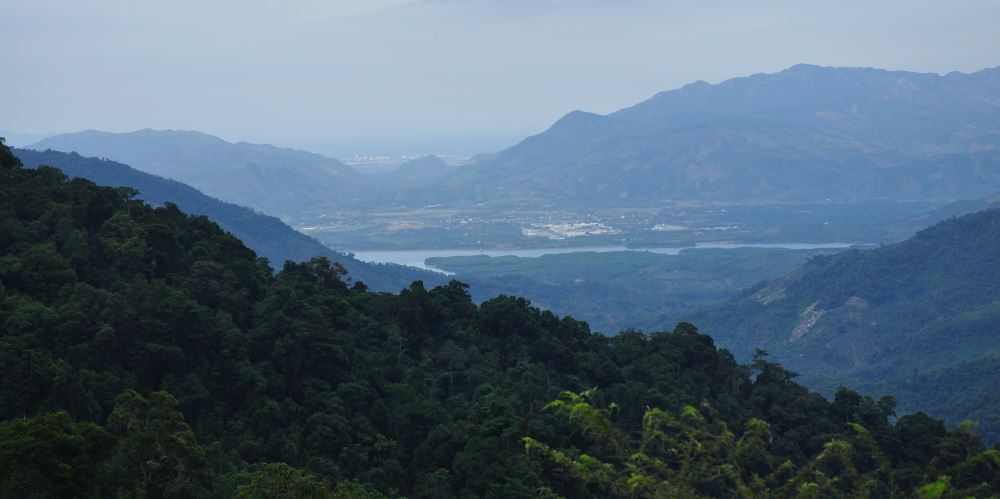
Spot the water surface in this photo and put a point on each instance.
(418, 258)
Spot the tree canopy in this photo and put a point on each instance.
(148, 352)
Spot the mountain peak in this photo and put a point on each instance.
(576, 121)
(576, 116)
(803, 68)
(178, 134)
(848, 126)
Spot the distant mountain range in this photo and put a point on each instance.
(807, 133)
(914, 318)
(266, 235)
(275, 180)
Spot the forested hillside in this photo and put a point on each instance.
(148, 353)
(266, 235)
(912, 318)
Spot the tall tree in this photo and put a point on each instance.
(157, 455)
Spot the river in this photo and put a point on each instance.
(417, 258)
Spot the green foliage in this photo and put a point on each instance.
(355, 490)
(936, 489)
(107, 304)
(281, 481)
(50, 455)
(156, 455)
(693, 454)
(146, 451)
(683, 455)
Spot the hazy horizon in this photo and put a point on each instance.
(438, 76)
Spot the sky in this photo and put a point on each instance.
(431, 76)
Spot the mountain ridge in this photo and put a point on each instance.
(275, 180)
(803, 133)
(877, 318)
(267, 235)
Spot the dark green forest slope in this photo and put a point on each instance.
(148, 353)
(266, 235)
(920, 319)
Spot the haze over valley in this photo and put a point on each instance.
(564, 248)
(737, 161)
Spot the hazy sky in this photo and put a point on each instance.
(442, 76)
